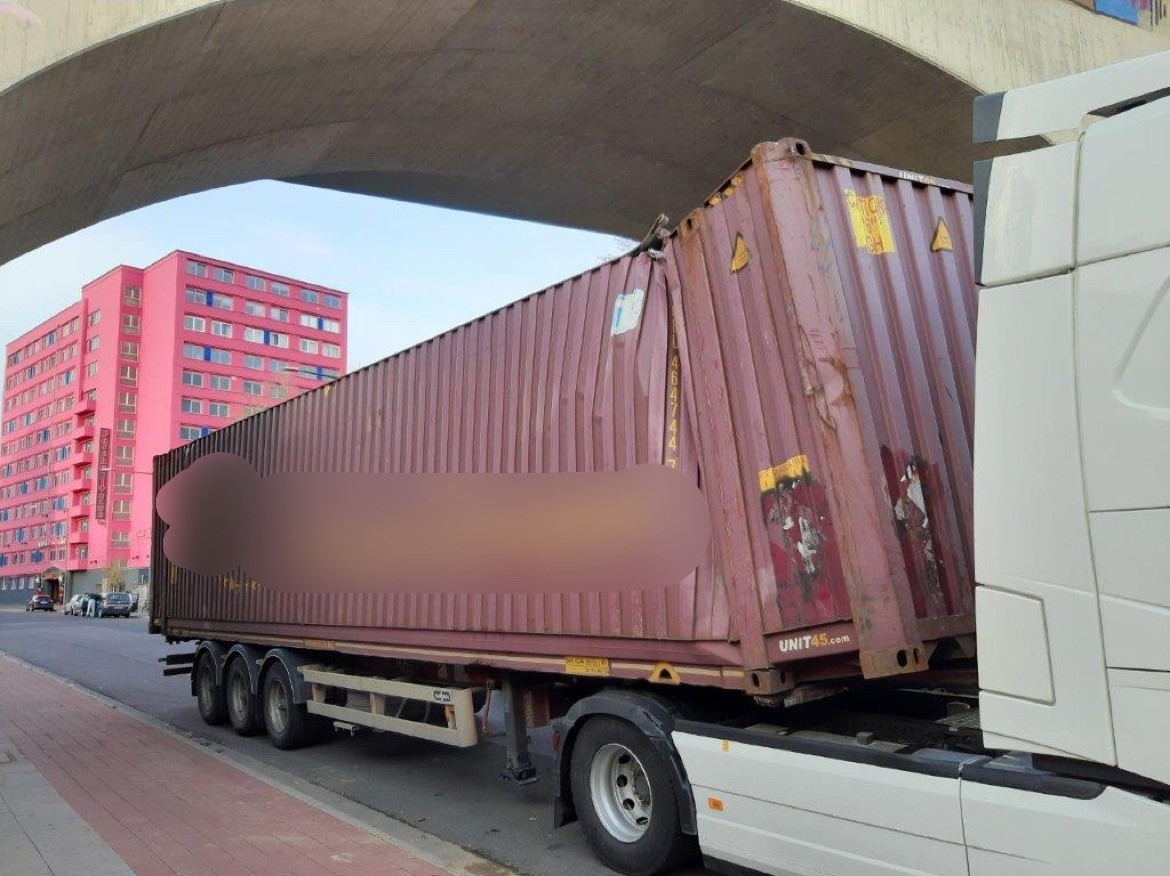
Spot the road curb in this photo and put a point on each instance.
(435, 851)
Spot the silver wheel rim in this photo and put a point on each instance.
(239, 695)
(277, 710)
(621, 792)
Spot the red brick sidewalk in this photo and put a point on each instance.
(171, 810)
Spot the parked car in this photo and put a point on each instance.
(76, 604)
(114, 605)
(39, 602)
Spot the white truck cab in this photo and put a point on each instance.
(1072, 421)
(1072, 545)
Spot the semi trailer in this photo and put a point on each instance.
(932, 426)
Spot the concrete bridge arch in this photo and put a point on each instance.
(596, 115)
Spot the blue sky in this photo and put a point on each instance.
(412, 271)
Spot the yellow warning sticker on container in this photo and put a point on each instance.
(739, 255)
(942, 239)
(790, 470)
(587, 666)
(871, 222)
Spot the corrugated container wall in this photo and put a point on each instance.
(804, 349)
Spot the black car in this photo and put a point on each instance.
(39, 602)
(114, 605)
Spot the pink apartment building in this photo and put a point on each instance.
(148, 359)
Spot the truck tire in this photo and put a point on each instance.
(286, 721)
(242, 709)
(624, 796)
(208, 693)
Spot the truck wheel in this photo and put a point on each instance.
(209, 694)
(242, 711)
(286, 721)
(624, 796)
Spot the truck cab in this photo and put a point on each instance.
(1072, 422)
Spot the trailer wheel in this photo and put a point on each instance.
(624, 797)
(208, 693)
(242, 710)
(286, 721)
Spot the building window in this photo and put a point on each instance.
(127, 402)
(95, 317)
(333, 351)
(278, 391)
(221, 329)
(218, 381)
(221, 357)
(223, 302)
(131, 323)
(194, 323)
(333, 301)
(278, 340)
(218, 409)
(196, 269)
(308, 346)
(128, 375)
(130, 350)
(189, 433)
(191, 406)
(279, 313)
(255, 362)
(252, 387)
(93, 343)
(223, 275)
(279, 289)
(121, 509)
(193, 351)
(254, 335)
(308, 320)
(124, 454)
(253, 308)
(125, 429)
(91, 369)
(120, 540)
(331, 325)
(132, 296)
(256, 283)
(310, 296)
(123, 482)
(196, 296)
(192, 378)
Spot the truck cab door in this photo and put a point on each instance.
(1122, 300)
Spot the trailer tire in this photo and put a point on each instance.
(242, 707)
(208, 693)
(625, 800)
(286, 721)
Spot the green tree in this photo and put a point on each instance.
(114, 576)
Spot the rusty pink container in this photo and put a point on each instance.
(803, 346)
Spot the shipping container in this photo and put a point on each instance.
(802, 345)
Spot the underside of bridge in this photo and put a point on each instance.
(590, 115)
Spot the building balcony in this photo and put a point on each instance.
(85, 406)
(84, 432)
(79, 538)
(80, 485)
(85, 458)
(79, 511)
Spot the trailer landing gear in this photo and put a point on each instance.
(518, 768)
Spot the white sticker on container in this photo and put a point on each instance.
(627, 310)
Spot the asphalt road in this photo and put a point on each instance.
(452, 793)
